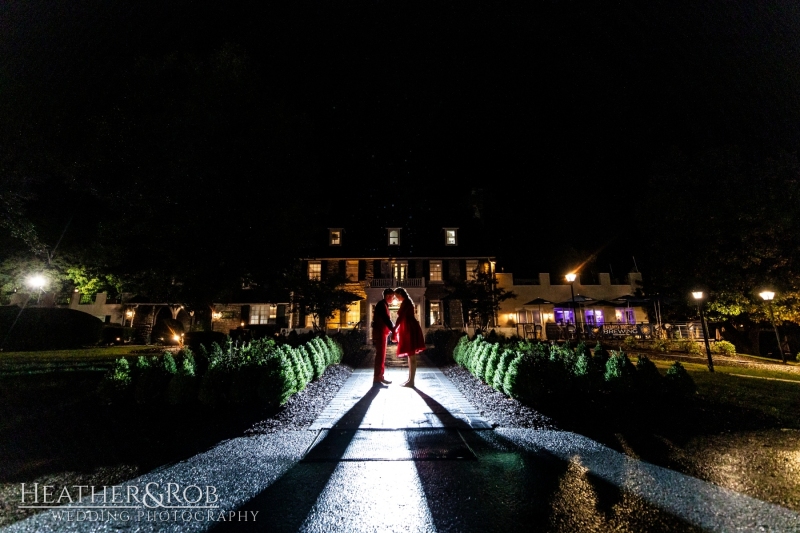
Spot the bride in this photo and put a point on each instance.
(410, 340)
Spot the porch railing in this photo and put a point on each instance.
(380, 283)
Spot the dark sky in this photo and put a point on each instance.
(557, 110)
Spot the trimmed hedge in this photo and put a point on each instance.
(531, 371)
(42, 328)
(259, 372)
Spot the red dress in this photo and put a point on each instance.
(410, 340)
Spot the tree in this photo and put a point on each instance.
(321, 299)
(480, 298)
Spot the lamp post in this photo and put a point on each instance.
(494, 281)
(571, 279)
(37, 282)
(698, 296)
(767, 296)
(130, 313)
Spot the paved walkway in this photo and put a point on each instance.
(419, 460)
(434, 403)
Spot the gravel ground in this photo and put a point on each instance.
(500, 410)
(303, 408)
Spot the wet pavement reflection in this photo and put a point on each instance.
(413, 460)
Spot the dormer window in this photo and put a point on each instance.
(451, 236)
(394, 236)
(335, 236)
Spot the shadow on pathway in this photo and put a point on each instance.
(284, 505)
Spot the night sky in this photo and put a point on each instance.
(224, 121)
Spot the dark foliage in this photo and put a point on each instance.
(47, 329)
(541, 373)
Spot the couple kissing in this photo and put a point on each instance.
(407, 331)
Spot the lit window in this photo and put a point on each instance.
(314, 270)
(399, 271)
(352, 270)
(394, 236)
(335, 237)
(263, 314)
(451, 236)
(436, 271)
(436, 314)
(472, 269)
(564, 316)
(353, 315)
(625, 315)
(594, 317)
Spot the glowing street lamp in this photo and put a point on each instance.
(698, 296)
(571, 277)
(37, 282)
(493, 286)
(767, 296)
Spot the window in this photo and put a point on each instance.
(263, 314)
(472, 269)
(450, 236)
(394, 236)
(352, 270)
(594, 317)
(564, 316)
(436, 314)
(399, 271)
(315, 270)
(625, 315)
(353, 315)
(436, 271)
(335, 236)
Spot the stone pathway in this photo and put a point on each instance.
(434, 403)
(417, 460)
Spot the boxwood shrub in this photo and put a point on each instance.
(531, 371)
(259, 372)
(43, 328)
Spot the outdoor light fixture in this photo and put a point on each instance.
(698, 296)
(130, 313)
(216, 316)
(767, 296)
(571, 279)
(37, 282)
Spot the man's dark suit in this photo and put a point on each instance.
(381, 327)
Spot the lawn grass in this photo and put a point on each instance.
(84, 359)
(778, 399)
(82, 354)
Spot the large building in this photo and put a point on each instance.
(425, 260)
(428, 261)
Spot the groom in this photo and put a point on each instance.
(381, 328)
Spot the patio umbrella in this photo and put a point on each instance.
(631, 299)
(540, 302)
(579, 299)
(601, 303)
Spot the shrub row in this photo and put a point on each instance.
(531, 371)
(680, 345)
(43, 328)
(258, 372)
